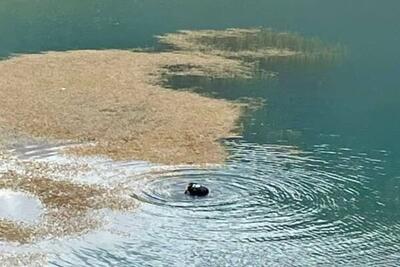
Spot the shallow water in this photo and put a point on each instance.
(19, 206)
(269, 205)
(314, 181)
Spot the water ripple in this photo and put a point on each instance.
(274, 197)
(268, 205)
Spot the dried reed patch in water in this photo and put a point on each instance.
(253, 44)
(114, 100)
(13, 232)
(62, 194)
(67, 205)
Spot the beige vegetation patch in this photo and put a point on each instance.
(252, 44)
(13, 232)
(237, 43)
(114, 100)
(62, 194)
(67, 205)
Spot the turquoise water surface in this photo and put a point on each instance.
(315, 180)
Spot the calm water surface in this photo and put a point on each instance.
(315, 179)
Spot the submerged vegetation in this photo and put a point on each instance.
(253, 44)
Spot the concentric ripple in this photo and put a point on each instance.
(268, 204)
(275, 197)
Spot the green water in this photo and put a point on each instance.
(341, 193)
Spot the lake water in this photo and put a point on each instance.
(314, 181)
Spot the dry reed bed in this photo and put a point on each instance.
(114, 100)
(253, 44)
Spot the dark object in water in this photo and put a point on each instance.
(194, 189)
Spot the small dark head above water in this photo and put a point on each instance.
(194, 189)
